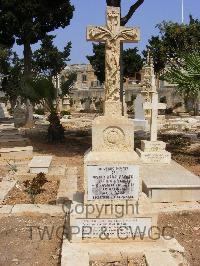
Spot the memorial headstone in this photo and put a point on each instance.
(139, 110)
(66, 103)
(153, 151)
(139, 120)
(92, 105)
(111, 175)
(79, 106)
(29, 114)
(3, 111)
(87, 105)
(19, 114)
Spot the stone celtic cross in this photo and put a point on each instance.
(112, 34)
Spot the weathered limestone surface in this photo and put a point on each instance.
(40, 164)
(112, 134)
(112, 34)
(153, 152)
(114, 215)
(16, 152)
(68, 186)
(161, 251)
(170, 183)
(5, 187)
(27, 209)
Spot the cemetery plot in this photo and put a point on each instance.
(19, 194)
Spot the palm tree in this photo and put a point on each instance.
(187, 78)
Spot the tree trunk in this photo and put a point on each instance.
(196, 106)
(27, 59)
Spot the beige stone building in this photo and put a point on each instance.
(88, 86)
(86, 78)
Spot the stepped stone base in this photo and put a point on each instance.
(168, 252)
(153, 152)
(123, 221)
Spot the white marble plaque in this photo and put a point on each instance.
(114, 228)
(113, 182)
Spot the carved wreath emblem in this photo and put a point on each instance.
(113, 136)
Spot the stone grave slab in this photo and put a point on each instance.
(170, 183)
(40, 164)
(5, 188)
(16, 152)
(161, 251)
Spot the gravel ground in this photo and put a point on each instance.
(18, 195)
(137, 261)
(17, 247)
(186, 229)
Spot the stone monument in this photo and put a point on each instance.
(79, 106)
(107, 223)
(139, 120)
(111, 171)
(153, 151)
(29, 114)
(86, 105)
(3, 111)
(19, 114)
(147, 83)
(66, 103)
(92, 105)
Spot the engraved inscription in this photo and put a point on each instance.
(114, 228)
(113, 182)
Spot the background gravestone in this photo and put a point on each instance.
(19, 115)
(139, 121)
(139, 110)
(29, 114)
(3, 111)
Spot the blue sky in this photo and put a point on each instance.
(92, 12)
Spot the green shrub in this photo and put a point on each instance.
(39, 111)
(65, 113)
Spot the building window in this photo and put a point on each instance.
(95, 84)
(84, 78)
